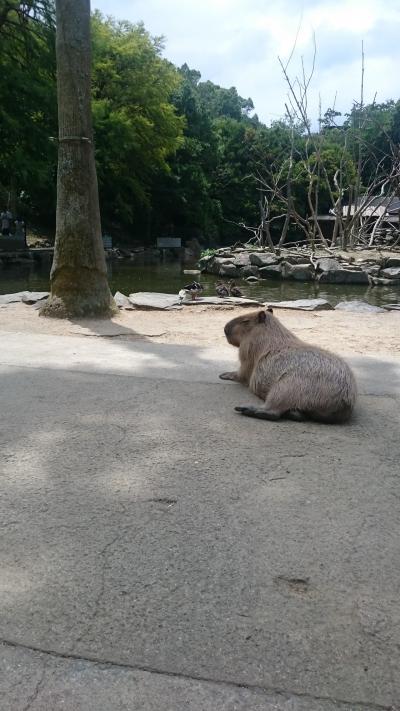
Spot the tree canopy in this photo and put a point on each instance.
(175, 154)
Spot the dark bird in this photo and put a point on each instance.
(221, 289)
(194, 289)
(234, 290)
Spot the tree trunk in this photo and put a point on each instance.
(79, 285)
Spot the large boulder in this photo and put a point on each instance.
(372, 269)
(391, 273)
(242, 259)
(272, 272)
(205, 262)
(225, 254)
(298, 272)
(327, 264)
(249, 271)
(215, 265)
(229, 270)
(358, 307)
(344, 276)
(295, 258)
(262, 259)
(393, 262)
(302, 304)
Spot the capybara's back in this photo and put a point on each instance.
(295, 379)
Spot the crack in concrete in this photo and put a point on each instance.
(104, 553)
(38, 688)
(70, 656)
(96, 607)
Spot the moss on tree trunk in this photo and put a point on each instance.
(78, 278)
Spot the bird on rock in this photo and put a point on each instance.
(221, 289)
(234, 290)
(194, 289)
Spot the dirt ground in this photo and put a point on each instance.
(346, 333)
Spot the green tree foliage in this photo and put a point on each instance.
(374, 130)
(136, 126)
(28, 108)
(211, 187)
(175, 154)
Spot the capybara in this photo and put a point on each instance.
(295, 379)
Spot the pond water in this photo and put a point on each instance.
(169, 278)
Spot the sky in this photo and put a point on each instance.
(237, 43)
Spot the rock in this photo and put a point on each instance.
(250, 271)
(218, 301)
(191, 271)
(225, 254)
(31, 297)
(252, 279)
(242, 259)
(216, 263)
(344, 276)
(327, 264)
(391, 307)
(295, 259)
(229, 270)
(11, 298)
(391, 273)
(122, 301)
(205, 261)
(393, 262)
(372, 269)
(262, 259)
(148, 300)
(381, 281)
(27, 297)
(298, 272)
(358, 306)
(272, 272)
(302, 304)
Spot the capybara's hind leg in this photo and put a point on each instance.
(230, 376)
(259, 412)
(296, 415)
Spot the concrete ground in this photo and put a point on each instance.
(160, 552)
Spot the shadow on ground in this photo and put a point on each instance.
(145, 524)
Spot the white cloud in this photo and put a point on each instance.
(236, 43)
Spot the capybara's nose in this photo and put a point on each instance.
(226, 330)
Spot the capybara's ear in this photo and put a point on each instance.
(270, 309)
(261, 316)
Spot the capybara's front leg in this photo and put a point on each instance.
(260, 412)
(230, 376)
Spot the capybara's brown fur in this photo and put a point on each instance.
(295, 379)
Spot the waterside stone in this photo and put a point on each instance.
(302, 304)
